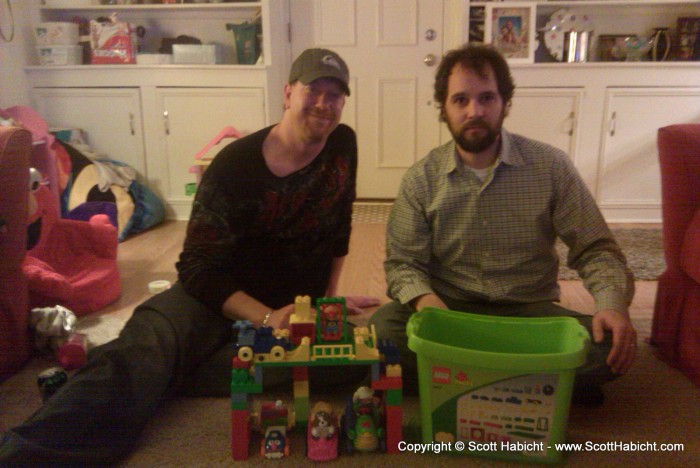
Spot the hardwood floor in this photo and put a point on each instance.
(152, 255)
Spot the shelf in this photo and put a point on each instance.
(222, 66)
(158, 7)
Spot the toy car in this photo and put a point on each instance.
(265, 343)
(362, 423)
(274, 444)
(322, 433)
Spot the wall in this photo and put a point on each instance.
(15, 55)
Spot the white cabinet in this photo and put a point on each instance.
(629, 168)
(191, 118)
(547, 114)
(109, 117)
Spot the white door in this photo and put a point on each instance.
(392, 48)
(191, 118)
(109, 117)
(629, 187)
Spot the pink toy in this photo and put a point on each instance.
(202, 161)
(322, 434)
(74, 263)
(73, 353)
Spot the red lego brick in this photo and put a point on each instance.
(393, 428)
(240, 434)
(388, 383)
(238, 364)
(300, 373)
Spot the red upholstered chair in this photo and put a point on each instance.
(676, 324)
(15, 151)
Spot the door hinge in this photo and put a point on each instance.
(289, 32)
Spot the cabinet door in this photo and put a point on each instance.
(629, 186)
(109, 117)
(548, 115)
(191, 118)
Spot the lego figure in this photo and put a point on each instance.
(332, 321)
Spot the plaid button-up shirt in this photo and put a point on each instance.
(451, 234)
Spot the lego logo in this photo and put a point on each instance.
(441, 375)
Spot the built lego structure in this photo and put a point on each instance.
(317, 336)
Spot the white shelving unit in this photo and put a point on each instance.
(157, 117)
(605, 114)
(638, 17)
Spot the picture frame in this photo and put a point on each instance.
(688, 38)
(511, 28)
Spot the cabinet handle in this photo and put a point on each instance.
(572, 121)
(166, 122)
(131, 124)
(611, 126)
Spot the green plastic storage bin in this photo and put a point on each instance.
(496, 386)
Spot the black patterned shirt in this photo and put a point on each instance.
(272, 237)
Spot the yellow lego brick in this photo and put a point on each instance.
(301, 389)
(393, 370)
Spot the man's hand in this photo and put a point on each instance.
(624, 348)
(428, 300)
(355, 304)
(280, 318)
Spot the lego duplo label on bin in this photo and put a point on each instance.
(493, 410)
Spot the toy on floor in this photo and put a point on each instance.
(275, 418)
(362, 421)
(317, 336)
(50, 380)
(322, 434)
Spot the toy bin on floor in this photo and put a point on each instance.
(498, 387)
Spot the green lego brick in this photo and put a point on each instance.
(393, 397)
(239, 405)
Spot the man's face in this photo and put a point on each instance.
(316, 107)
(474, 110)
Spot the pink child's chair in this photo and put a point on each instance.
(74, 263)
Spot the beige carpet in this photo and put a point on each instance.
(653, 403)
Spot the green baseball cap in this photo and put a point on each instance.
(313, 64)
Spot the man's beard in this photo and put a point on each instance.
(479, 142)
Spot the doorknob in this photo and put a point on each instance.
(429, 60)
(430, 35)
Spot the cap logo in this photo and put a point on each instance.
(330, 61)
